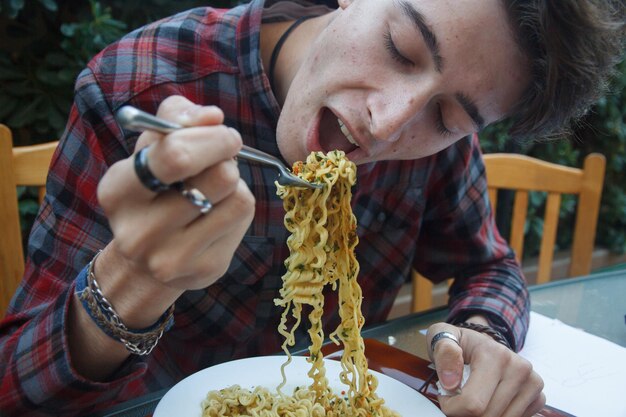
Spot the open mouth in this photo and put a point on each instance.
(334, 134)
(346, 132)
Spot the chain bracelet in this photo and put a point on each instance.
(139, 343)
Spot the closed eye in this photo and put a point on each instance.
(394, 52)
(441, 127)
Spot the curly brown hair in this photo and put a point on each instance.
(573, 47)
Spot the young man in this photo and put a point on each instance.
(401, 85)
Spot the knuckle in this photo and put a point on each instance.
(501, 355)
(232, 141)
(171, 103)
(177, 159)
(475, 406)
(244, 200)
(447, 349)
(503, 360)
(132, 242)
(106, 196)
(536, 405)
(214, 267)
(536, 380)
(222, 132)
(226, 175)
(107, 192)
(128, 244)
(541, 402)
(523, 368)
(162, 268)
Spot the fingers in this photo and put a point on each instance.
(200, 253)
(527, 401)
(487, 364)
(501, 383)
(164, 234)
(186, 153)
(146, 224)
(536, 406)
(178, 109)
(202, 142)
(447, 357)
(183, 154)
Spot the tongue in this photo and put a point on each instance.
(332, 142)
(331, 137)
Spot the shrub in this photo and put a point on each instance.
(603, 130)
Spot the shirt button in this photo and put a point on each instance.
(381, 217)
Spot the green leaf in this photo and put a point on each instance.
(26, 114)
(68, 29)
(16, 4)
(7, 106)
(10, 73)
(21, 191)
(29, 207)
(51, 5)
(57, 59)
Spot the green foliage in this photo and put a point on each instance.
(45, 44)
(40, 60)
(603, 130)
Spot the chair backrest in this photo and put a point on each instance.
(524, 174)
(23, 165)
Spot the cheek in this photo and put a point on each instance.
(420, 146)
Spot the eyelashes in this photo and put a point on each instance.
(394, 52)
(397, 56)
(441, 128)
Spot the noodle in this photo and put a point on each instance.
(321, 245)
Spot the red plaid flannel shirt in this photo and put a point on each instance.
(431, 214)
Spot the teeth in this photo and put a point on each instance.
(346, 133)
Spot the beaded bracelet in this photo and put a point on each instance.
(101, 311)
(489, 331)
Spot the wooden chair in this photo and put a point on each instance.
(23, 165)
(523, 174)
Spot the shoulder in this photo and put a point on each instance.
(177, 49)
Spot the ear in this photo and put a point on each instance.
(344, 3)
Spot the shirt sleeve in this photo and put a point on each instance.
(36, 372)
(459, 239)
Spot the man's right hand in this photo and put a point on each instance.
(162, 244)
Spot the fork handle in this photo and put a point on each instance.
(135, 119)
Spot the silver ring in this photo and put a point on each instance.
(195, 197)
(442, 335)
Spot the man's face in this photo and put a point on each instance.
(402, 79)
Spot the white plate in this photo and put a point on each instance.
(184, 399)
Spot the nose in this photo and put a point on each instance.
(392, 110)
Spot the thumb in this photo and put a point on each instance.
(179, 109)
(448, 359)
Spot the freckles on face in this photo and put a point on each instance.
(350, 70)
(330, 75)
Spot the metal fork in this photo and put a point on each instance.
(134, 119)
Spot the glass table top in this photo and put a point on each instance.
(596, 304)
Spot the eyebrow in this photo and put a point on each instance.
(432, 44)
(429, 36)
(471, 109)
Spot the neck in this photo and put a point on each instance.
(292, 52)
